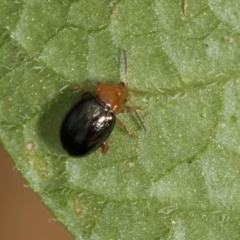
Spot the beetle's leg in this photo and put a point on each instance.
(119, 122)
(80, 88)
(132, 108)
(105, 146)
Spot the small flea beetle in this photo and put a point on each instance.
(89, 123)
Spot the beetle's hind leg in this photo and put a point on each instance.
(104, 147)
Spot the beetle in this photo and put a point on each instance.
(91, 120)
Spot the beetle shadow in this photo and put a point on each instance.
(49, 123)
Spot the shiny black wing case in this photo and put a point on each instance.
(86, 126)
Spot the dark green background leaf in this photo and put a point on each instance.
(181, 178)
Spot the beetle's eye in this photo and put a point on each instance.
(122, 83)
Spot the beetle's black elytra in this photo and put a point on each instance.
(87, 125)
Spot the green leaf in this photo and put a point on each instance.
(178, 180)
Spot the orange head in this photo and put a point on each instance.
(114, 96)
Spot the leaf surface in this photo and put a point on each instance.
(178, 180)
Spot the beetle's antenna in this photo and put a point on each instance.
(140, 120)
(126, 83)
